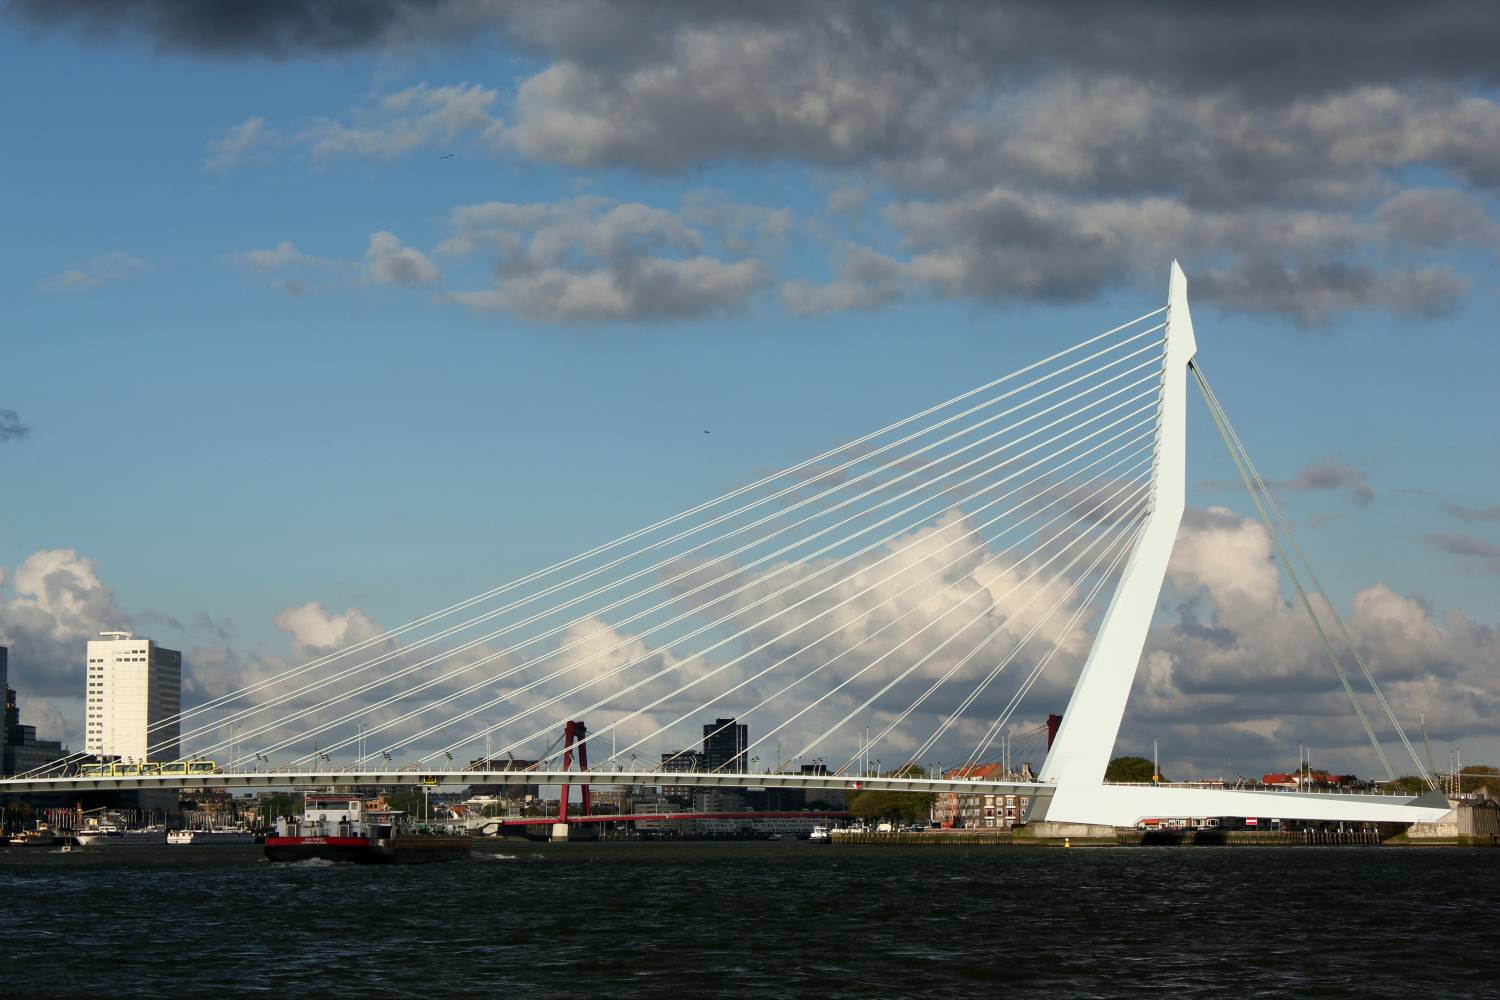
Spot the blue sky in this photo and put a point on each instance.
(227, 439)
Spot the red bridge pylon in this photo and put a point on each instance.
(575, 733)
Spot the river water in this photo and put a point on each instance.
(756, 919)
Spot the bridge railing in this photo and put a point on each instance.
(1282, 789)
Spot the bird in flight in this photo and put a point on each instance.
(446, 156)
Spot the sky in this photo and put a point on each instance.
(322, 316)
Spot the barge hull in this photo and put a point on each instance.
(357, 850)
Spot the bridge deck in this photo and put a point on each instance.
(311, 779)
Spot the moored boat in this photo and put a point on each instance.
(40, 835)
(337, 827)
(214, 835)
(109, 830)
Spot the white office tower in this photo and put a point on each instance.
(134, 688)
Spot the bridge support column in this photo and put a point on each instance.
(1086, 736)
(1071, 831)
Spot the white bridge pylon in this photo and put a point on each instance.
(841, 581)
(1085, 740)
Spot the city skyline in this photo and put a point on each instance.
(314, 332)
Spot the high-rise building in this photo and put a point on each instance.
(20, 750)
(724, 745)
(5, 724)
(134, 697)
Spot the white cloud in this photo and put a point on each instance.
(386, 261)
(389, 262)
(1238, 668)
(98, 271)
(316, 631)
(239, 143)
(283, 256)
(593, 260)
(1232, 669)
(410, 119)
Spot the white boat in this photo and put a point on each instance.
(211, 836)
(819, 835)
(110, 831)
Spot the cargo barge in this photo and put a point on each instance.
(337, 827)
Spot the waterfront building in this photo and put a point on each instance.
(717, 800)
(613, 799)
(681, 762)
(134, 696)
(979, 810)
(20, 750)
(724, 745)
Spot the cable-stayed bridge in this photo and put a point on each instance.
(912, 586)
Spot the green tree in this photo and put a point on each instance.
(1130, 769)
(409, 800)
(898, 807)
(1477, 776)
(279, 805)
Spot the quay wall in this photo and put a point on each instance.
(1105, 837)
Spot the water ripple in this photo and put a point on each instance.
(726, 920)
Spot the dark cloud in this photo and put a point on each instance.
(1481, 554)
(593, 260)
(277, 29)
(1022, 151)
(1329, 475)
(1437, 218)
(1312, 292)
(1473, 513)
(11, 427)
(1324, 475)
(1269, 48)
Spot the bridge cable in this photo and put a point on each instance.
(1232, 439)
(561, 628)
(979, 689)
(1291, 570)
(627, 642)
(285, 697)
(364, 644)
(1139, 512)
(636, 685)
(1036, 671)
(685, 638)
(993, 603)
(640, 532)
(828, 663)
(785, 634)
(367, 687)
